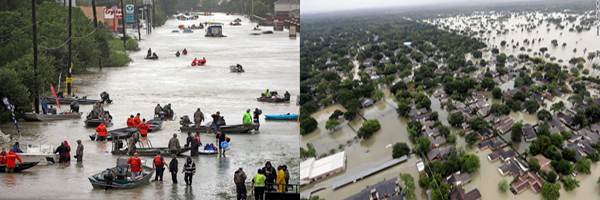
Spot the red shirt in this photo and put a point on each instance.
(136, 121)
(101, 129)
(135, 163)
(144, 129)
(130, 122)
(10, 159)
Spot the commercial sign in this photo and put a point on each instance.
(112, 13)
(130, 18)
(129, 9)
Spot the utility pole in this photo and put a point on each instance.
(96, 25)
(70, 65)
(35, 58)
(153, 15)
(136, 12)
(123, 21)
(597, 17)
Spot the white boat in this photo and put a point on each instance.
(44, 154)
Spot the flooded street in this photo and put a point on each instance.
(271, 61)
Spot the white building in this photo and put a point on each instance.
(313, 170)
(283, 7)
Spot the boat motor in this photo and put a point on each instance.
(185, 121)
(105, 97)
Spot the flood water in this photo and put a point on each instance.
(270, 61)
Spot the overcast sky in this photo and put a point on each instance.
(318, 6)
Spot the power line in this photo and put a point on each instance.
(87, 34)
(63, 44)
(20, 29)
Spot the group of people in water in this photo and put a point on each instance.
(184, 52)
(64, 151)
(267, 179)
(150, 54)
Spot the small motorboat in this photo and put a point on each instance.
(194, 26)
(237, 20)
(181, 26)
(207, 152)
(267, 32)
(175, 31)
(83, 100)
(236, 68)
(282, 117)
(127, 132)
(122, 177)
(274, 97)
(214, 31)
(187, 31)
(234, 24)
(144, 148)
(188, 126)
(50, 117)
(43, 154)
(151, 57)
(96, 123)
(255, 34)
(199, 63)
(19, 166)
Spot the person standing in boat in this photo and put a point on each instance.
(159, 164)
(62, 151)
(198, 118)
(239, 178)
(108, 178)
(247, 118)
(149, 52)
(74, 107)
(174, 146)
(280, 179)
(16, 148)
(130, 122)
(216, 119)
(101, 131)
(136, 165)
(44, 106)
(137, 121)
(157, 110)
(173, 168)
(79, 151)
(132, 142)
(143, 128)
(10, 160)
(189, 168)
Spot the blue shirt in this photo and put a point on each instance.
(44, 105)
(16, 149)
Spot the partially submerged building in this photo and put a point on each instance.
(312, 170)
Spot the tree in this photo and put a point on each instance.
(550, 191)
(433, 116)
(503, 185)
(444, 130)
(499, 109)
(533, 164)
(570, 183)
(568, 154)
(336, 114)
(456, 119)
(422, 146)
(368, 128)
(488, 83)
(563, 167)
(594, 157)
(400, 149)
(403, 109)
(331, 124)
(424, 103)
(558, 106)
(583, 165)
(469, 162)
(531, 106)
(478, 123)
(378, 95)
(308, 125)
(497, 93)
(451, 138)
(471, 138)
(503, 43)
(552, 176)
(517, 132)
(424, 182)
(261, 8)
(409, 182)
(350, 114)
(544, 115)
(442, 192)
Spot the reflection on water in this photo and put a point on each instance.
(145, 83)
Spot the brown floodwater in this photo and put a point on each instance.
(270, 61)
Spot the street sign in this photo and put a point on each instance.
(129, 9)
(130, 19)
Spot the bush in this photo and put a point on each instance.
(400, 149)
(503, 185)
(308, 125)
(451, 138)
(131, 45)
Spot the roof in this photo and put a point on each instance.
(492, 144)
(457, 179)
(437, 152)
(288, 1)
(89, 12)
(459, 194)
(312, 168)
(544, 163)
(501, 153)
(513, 167)
(529, 179)
(381, 189)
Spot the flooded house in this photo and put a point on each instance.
(459, 194)
(515, 167)
(387, 189)
(457, 179)
(313, 170)
(492, 144)
(528, 180)
(529, 133)
(501, 154)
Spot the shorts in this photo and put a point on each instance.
(135, 174)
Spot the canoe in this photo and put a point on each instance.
(121, 181)
(237, 128)
(273, 100)
(95, 123)
(127, 132)
(282, 117)
(151, 57)
(68, 101)
(19, 166)
(50, 117)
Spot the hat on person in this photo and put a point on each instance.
(173, 155)
(131, 116)
(138, 113)
(241, 167)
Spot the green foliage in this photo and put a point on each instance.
(451, 138)
(550, 191)
(368, 128)
(478, 123)
(517, 132)
(409, 182)
(350, 114)
(570, 183)
(497, 93)
(422, 146)
(471, 138)
(583, 165)
(331, 124)
(131, 45)
(337, 113)
(378, 95)
(261, 8)
(425, 180)
(558, 106)
(403, 109)
(563, 167)
(499, 109)
(531, 106)
(533, 164)
(594, 157)
(456, 119)
(469, 162)
(488, 83)
(400, 149)
(503, 185)
(308, 153)
(308, 125)
(552, 176)
(544, 115)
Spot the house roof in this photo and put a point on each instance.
(501, 153)
(382, 188)
(492, 144)
(529, 179)
(312, 168)
(457, 179)
(544, 163)
(459, 194)
(437, 152)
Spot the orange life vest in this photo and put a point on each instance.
(101, 129)
(158, 161)
(130, 122)
(144, 129)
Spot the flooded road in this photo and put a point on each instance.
(270, 61)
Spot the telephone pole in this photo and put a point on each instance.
(70, 64)
(96, 26)
(35, 58)
(123, 21)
